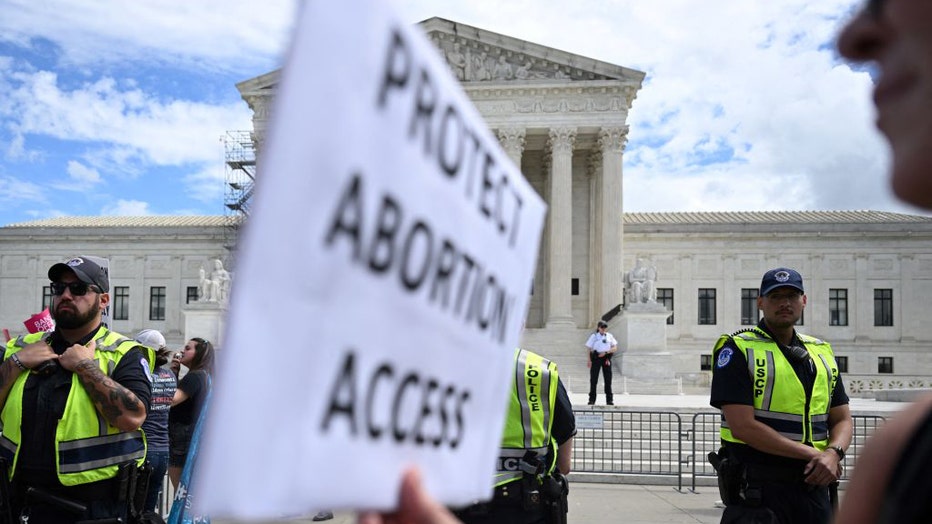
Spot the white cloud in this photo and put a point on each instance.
(745, 104)
(82, 175)
(214, 34)
(129, 208)
(17, 194)
(163, 132)
(207, 186)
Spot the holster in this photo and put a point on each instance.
(556, 492)
(132, 483)
(141, 491)
(732, 480)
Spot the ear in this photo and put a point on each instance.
(104, 299)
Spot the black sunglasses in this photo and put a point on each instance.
(78, 289)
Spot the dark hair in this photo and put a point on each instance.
(203, 355)
(162, 356)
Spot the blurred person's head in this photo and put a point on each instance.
(153, 339)
(895, 37)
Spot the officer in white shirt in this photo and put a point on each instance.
(599, 350)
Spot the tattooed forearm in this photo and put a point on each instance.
(113, 401)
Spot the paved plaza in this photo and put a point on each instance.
(605, 503)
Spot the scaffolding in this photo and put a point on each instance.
(240, 159)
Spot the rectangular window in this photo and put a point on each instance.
(665, 298)
(191, 295)
(838, 307)
(883, 307)
(842, 364)
(120, 307)
(46, 297)
(707, 306)
(884, 364)
(705, 362)
(157, 303)
(749, 312)
(574, 287)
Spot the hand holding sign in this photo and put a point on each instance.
(415, 506)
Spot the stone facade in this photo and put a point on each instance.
(562, 119)
(148, 255)
(860, 253)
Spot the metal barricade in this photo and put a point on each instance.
(629, 442)
(705, 438)
(651, 443)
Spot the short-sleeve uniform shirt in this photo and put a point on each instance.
(732, 384)
(600, 343)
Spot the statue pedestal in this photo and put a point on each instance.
(642, 340)
(205, 320)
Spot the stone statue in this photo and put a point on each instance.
(481, 68)
(640, 283)
(558, 72)
(502, 69)
(523, 71)
(216, 287)
(203, 286)
(458, 62)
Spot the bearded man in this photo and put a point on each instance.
(73, 400)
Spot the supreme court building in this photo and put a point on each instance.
(562, 119)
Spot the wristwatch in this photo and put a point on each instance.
(837, 449)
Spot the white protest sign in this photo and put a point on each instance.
(382, 281)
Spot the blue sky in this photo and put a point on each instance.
(118, 108)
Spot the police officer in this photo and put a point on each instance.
(600, 347)
(536, 452)
(785, 417)
(73, 401)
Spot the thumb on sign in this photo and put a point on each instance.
(415, 506)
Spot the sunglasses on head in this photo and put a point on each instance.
(78, 289)
(874, 7)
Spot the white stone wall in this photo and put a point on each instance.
(139, 258)
(858, 257)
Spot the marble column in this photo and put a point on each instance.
(260, 117)
(512, 140)
(612, 146)
(596, 290)
(862, 314)
(908, 295)
(560, 253)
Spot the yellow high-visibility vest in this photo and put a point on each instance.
(779, 395)
(87, 447)
(530, 415)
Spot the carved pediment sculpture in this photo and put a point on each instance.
(477, 55)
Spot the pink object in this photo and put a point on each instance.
(6, 334)
(40, 322)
